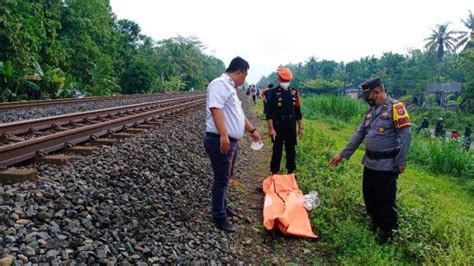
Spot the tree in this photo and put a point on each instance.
(466, 38)
(46, 46)
(87, 34)
(323, 84)
(467, 65)
(138, 78)
(442, 41)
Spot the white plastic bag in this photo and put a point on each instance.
(256, 145)
(311, 200)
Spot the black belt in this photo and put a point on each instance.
(217, 136)
(284, 117)
(377, 155)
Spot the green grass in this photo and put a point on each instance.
(436, 156)
(341, 108)
(442, 157)
(436, 211)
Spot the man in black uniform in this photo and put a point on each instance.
(283, 113)
(264, 96)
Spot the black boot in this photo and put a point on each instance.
(224, 224)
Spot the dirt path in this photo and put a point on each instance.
(258, 244)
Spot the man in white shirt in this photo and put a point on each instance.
(225, 125)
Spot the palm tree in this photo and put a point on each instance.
(466, 37)
(441, 40)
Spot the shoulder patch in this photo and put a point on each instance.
(400, 115)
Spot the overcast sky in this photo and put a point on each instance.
(274, 32)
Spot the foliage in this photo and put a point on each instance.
(342, 108)
(467, 66)
(407, 74)
(174, 83)
(320, 83)
(442, 157)
(453, 120)
(6, 80)
(465, 39)
(441, 41)
(138, 77)
(51, 46)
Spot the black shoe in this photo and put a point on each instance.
(384, 237)
(224, 224)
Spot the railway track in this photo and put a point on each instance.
(42, 103)
(24, 140)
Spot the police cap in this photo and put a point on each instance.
(371, 84)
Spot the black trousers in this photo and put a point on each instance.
(379, 189)
(223, 167)
(286, 135)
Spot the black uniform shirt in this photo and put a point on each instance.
(283, 102)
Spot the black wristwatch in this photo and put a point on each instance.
(253, 130)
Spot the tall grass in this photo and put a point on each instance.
(437, 156)
(338, 107)
(442, 157)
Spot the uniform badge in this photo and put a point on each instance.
(368, 116)
(400, 109)
(381, 130)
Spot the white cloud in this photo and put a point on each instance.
(269, 33)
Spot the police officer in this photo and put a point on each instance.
(283, 113)
(386, 130)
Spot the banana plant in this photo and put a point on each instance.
(102, 82)
(67, 87)
(6, 81)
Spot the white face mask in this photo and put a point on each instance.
(285, 85)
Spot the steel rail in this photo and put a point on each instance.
(24, 126)
(17, 152)
(41, 103)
